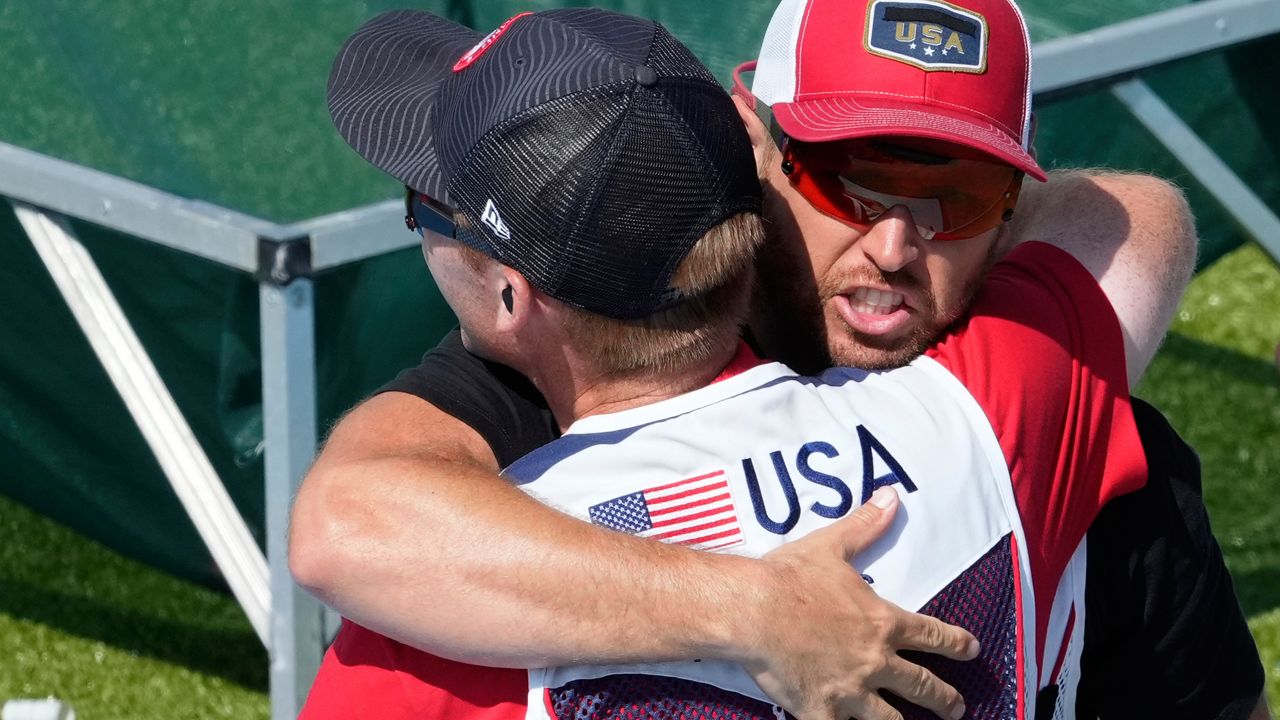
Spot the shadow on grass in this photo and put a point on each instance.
(1220, 360)
(1223, 397)
(1258, 589)
(236, 656)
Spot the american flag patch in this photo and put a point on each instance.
(698, 511)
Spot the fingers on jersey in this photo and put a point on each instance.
(845, 678)
(856, 531)
(931, 635)
(906, 679)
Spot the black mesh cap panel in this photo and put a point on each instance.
(536, 171)
(538, 60)
(671, 59)
(605, 193)
(673, 177)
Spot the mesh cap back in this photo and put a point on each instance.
(588, 150)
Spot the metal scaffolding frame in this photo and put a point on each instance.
(45, 192)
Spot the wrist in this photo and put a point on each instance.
(739, 607)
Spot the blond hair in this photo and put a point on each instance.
(716, 278)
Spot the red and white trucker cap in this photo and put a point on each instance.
(959, 72)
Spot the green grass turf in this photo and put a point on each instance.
(114, 638)
(120, 640)
(1216, 379)
(1266, 630)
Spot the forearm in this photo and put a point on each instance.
(443, 555)
(404, 527)
(483, 574)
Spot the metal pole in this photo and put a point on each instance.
(1226, 187)
(1076, 62)
(162, 424)
(191, 226)
(289, 429)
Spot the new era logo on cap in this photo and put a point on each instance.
(493, 220)
(929, 35)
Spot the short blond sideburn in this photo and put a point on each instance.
(716, 277)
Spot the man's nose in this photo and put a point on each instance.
(893, 242)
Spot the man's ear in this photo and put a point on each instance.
(516, 300)
(756, 132)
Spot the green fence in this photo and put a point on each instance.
(224, 102)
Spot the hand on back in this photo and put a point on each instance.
(829, 643)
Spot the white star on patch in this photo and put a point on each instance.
(944, 51)
(912, 46)
(928, 51)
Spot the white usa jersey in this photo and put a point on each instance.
(764, 457)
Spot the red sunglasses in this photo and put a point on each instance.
(952, 193)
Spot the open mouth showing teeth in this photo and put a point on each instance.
(875, 302)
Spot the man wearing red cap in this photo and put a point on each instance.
(869, 273)
(836, 124)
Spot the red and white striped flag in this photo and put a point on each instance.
(698, 511)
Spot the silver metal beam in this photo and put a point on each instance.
(1221, 182)
(356, 234)
(289, 432)
(1119, 50)
(191, 226)
(166, 431)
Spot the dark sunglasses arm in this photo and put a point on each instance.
(425, 213)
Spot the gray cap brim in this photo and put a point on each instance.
(383, 85)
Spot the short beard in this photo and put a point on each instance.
(786, 313)
(872, 352)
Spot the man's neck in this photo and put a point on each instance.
(574, 392)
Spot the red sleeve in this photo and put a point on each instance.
(366, 676)
(1042, 353)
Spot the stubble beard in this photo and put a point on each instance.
(873, 352)
(789, 308)
(787, 316)
(849, 347)
(791, 313)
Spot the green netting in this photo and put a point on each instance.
(225, 102)
(68, 447)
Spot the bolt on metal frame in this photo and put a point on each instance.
(45, 192)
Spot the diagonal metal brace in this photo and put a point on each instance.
(1226, 187)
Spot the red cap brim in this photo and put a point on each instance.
(828, 119)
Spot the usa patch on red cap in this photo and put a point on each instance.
(929, 35)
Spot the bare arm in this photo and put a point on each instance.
(404, 525)
(1135, 233)
(413, 535)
